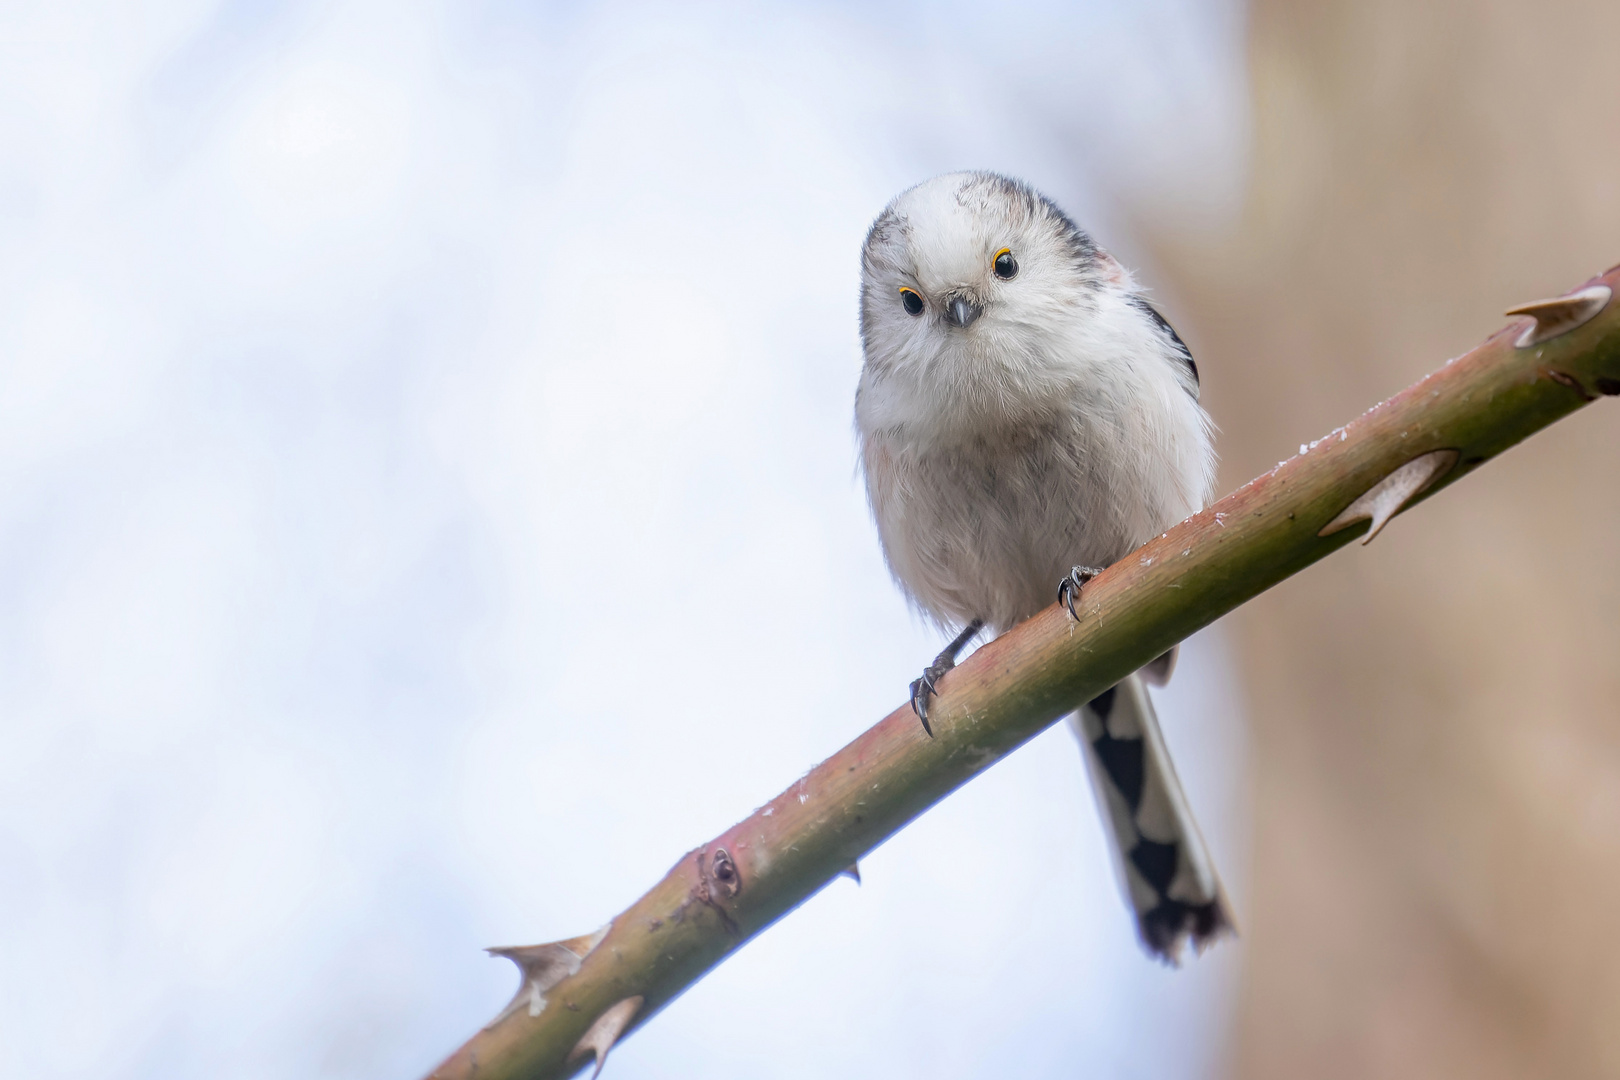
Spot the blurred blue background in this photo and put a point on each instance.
(425, 439)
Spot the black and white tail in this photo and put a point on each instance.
(1163, 863)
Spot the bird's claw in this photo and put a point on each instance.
(926, 687)
(1069, 588)
(922, 689)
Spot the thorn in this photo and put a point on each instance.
(853, 870)
(1561, 314)
(1385, 499)
(601, 1036)
(540, 967)
(1158, 673)
(1564, 378)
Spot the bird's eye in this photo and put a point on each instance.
(1006, 266)
(913, 301)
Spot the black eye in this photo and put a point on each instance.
(1006, 265)
(912, 300)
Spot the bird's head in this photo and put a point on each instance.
(970, 270)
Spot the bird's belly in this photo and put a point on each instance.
(986, 528)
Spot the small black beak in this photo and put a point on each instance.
(960, 311)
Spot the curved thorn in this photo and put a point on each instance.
(1561, 314)
(540, 967)
(1390, 495)
(602, 1034)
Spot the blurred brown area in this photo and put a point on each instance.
(1436, 716)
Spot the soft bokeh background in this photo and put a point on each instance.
(424, 440)
(1436, 718)
(427, 508)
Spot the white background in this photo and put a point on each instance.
(428, 507)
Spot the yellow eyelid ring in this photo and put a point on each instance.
(912, 300)
(1004, 265)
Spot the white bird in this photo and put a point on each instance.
(1025, 416)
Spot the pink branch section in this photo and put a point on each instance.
(579, 996)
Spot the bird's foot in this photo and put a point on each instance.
(922, 689)
(1069, 588)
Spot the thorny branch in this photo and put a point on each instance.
(579, 996)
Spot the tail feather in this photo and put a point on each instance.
(1161, 858)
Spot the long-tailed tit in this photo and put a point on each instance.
(1025, 416)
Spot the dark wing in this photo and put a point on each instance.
(1175, 339)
